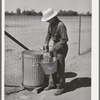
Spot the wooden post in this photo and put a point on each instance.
(79, 34)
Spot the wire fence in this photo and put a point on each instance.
(31, 32)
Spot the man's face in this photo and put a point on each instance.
(51, 20)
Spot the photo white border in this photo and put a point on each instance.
(95, 50)
(3, 49)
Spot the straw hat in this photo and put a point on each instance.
(49, 14)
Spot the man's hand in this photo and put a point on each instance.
(46, 47)
(51, 52)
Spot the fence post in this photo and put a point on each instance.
(79, 34)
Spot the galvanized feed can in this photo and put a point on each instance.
(33, 74)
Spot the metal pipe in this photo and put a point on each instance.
(15, 40)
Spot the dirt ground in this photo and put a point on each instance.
(78, 83)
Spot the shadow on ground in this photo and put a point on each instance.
(78, 83)
(70, 74)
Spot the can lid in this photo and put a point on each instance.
(32, 52)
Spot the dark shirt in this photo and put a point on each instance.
(58, 32)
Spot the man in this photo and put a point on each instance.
(57, 31)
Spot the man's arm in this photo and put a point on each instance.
(64, 37)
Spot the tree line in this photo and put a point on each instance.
(34, 13)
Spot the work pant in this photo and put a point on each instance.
(59, 76)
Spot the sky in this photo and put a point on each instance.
(41, 5)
